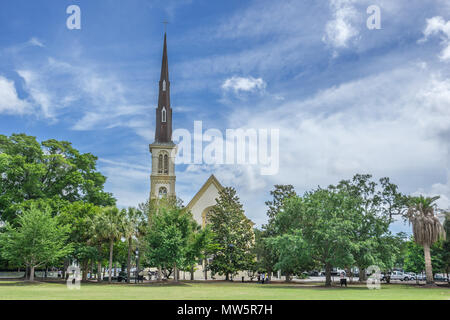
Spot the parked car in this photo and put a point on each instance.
(410, 276)
(399, 275)
(440, 278)
(421, 277)
(386, 277)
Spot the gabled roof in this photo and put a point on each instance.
(211, 180)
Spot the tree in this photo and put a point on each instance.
(372, 242)
(414, 260)
(233, 233)
(111, 221)
(292, 253)
(36, 241)
(79, 216)
(426, 228)
(97, 239)
(266, 254)
(133, 224)
(323, 222)
(446, 244)
(167, 238)
(280, 193)
(53, 169)
(200, 245)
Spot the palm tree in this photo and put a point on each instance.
(97, 239)
(426, 228)
(131, 229)
(112, 220)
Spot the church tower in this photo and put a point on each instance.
(163, 150)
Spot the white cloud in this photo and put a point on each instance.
(10, 103)
(392, 124)
(241, 84)
(38, 92)
(340, 31)
(438, 26)
(36, 42)
(57, 86)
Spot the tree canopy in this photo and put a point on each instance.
(52, 169)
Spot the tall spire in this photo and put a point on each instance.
(163, 133)
(165, 62)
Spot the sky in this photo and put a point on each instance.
(346, 99)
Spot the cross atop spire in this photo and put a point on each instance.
(165, 22)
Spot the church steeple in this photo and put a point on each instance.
(163, 132)
(163, 150)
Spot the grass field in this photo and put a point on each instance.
(214, 291)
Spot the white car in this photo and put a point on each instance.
(398, 275)
(410, 276)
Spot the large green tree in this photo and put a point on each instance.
(375, 205)
(321, 223)
(30, 170)
(167, 239)
(35, 241)
(233, 234)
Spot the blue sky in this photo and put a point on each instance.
(346, 99)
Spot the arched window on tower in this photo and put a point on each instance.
(160, 164)
(162, 192)
(164, 115)
(164, 85)
(166, 164)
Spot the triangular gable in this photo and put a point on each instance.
(211, 180)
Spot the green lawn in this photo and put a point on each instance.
(214, 290)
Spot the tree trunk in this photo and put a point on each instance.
(428, 266)
(328, 275)
(175, 272)
(130, 244)
(66, 265)
(99, 263)
(115, 269)
(227, 277)
(192, 273)
(288, 277)
(32, 274)
(159, 273)
(111, 248)
(85, 270)
(362, 274)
